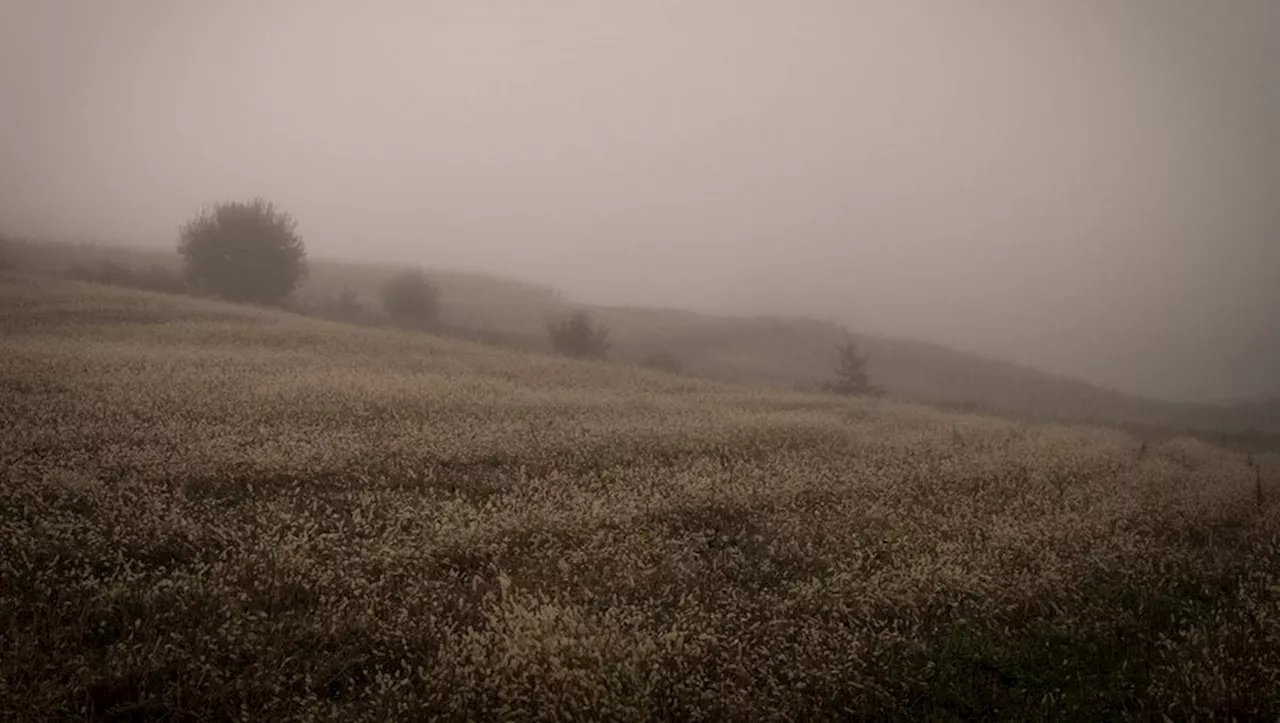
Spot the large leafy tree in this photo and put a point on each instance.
(243, 251)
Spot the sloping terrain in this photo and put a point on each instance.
(780, 352)
(215, 512)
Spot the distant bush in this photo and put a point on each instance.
(243, 251)
(412, 300)
(577, 335)
(348, 305)
(851, 377)
(664, 362)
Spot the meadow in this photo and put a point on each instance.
(213, 512)
(763, 351)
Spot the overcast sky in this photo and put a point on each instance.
(1091, 187)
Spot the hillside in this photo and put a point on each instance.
(211, 512)
(779, 352)
(791, 351)
(472, 299)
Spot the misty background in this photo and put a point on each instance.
(1091, 188)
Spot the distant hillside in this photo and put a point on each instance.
(774, 351)
(783, 351)
(473, 299)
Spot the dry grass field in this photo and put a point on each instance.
(211, 512)
(779, 352)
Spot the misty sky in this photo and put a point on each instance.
(1091, 187)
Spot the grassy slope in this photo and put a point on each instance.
(763, 351)
(208, 511)
(788, 351)
(473, 299)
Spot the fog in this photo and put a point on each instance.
(1092, 188)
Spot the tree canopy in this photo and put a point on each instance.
(243, 251)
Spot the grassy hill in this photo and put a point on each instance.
(797, 351)
(217, 512)
(478, 300)
(778, 352)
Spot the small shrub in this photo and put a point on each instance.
(578, 336)
(851, 373)
(411, 300)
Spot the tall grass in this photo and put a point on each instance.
(210, 512)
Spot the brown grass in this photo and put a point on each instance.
(212, 512)
(783, 353)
